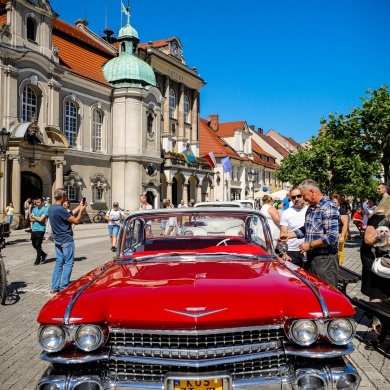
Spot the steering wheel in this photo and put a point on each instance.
(223, 242)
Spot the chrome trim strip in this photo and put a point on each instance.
(196, 363)
(196, 332)
(78, 293)
(71, 358)
(320, 353)
(315, 289)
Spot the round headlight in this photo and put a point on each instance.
(51, 338)
(304, 332)
(89, 337)
(340, 331)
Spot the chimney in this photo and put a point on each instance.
(260, 130)
(213, 122)
(252, 127)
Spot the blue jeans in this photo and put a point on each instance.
(113, 230)
(10, 218)
(63, 266)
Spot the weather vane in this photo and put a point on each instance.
(126, 11)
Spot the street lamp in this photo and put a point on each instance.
(4, 140)
(4, 144)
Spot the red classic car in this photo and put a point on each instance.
(197, 299)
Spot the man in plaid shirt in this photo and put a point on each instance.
(321, 232)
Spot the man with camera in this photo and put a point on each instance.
(61, 223)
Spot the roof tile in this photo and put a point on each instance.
(78, 52)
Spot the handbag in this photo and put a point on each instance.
(381, 266)
(48, 231)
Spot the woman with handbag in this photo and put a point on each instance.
(376, 287)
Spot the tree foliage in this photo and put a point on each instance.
(350, 151)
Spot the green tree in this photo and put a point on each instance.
(340, 159)
(374, 118)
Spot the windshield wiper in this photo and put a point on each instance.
(163, 254)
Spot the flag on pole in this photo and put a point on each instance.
(227, 167)
(124, 9)
(189, 155)
(210, 158)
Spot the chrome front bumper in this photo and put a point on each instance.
(336, 374)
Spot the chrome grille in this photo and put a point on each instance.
(267, 367)
(199, 340)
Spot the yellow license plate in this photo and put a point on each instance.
(202, 384)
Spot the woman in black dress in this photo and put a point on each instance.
(374, 286)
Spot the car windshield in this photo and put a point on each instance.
(189, 232)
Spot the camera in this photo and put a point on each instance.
(84, 201)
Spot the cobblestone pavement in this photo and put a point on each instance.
(28, 289)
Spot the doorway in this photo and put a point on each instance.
(31, 187)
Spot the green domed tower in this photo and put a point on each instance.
(136, 119)
(127, 70)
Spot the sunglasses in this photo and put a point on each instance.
(296, 196)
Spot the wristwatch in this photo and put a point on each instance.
(310, 246)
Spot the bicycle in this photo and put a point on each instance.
(99, 217)
(3, 273)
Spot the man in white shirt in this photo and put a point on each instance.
(292, 219)
(181, 204)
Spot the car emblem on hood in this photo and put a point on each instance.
(196, 312)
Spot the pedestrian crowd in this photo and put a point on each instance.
(314, 226)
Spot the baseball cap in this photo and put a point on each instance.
(115, 204)
(47, 198)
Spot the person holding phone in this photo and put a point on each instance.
(61, 223)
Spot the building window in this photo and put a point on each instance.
(31, 29)
(71, 193)
(71, 123)
(186, 108)
(97, 194)
(29, 104)
(172, 103)
(97, 123)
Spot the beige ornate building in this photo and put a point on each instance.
(180, 127)
(101, 131)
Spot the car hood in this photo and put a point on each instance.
(193, 295)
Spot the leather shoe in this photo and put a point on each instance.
(54, 291)
(43, 258)
(36, 262)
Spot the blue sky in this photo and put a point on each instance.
(277, 64)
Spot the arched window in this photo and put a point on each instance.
(172, 103)
(97, 124)
(29, 105)
(31, 29)
(71, 122)
(186, 108)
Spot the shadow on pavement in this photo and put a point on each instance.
(13, 293)
(368, 337)
(19, 240)
(353, 244)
